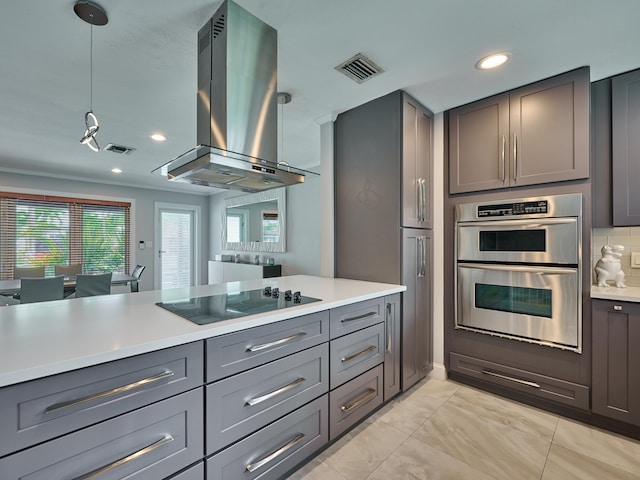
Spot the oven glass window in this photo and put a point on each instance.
(513, 240)
(523, 300)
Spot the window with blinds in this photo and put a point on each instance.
(40, 230)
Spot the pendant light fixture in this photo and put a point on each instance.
(283, 99)
(93, 14)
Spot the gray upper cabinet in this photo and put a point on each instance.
(625, 113)
(535, 134)
(416, 165)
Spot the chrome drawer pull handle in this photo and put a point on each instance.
(369, 394)
(262, 398)
(511, 379)
(358, 317)
(256, 348)
(148, 449)
(359, 354)
(124, 388)
(252, 467)
(617, 308)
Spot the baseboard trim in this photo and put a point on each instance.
(439, 372)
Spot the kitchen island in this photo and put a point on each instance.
(118, 383)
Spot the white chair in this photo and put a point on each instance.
(22, 272)
(34, 290)
(91, 285)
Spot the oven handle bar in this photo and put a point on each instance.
(520, 268)
(528, 223)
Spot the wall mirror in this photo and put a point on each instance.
(255, 222)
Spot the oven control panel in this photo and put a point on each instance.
(510, 209)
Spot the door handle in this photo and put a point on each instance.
(502, 156)
(515, 156)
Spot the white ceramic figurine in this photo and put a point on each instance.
(609, 267)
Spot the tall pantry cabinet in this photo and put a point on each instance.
(383, 211)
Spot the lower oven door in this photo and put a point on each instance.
(531, 303)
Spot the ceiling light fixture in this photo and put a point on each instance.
(158, 137)
(93, 14)
(492, 61)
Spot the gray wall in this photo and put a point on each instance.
(303, 229)
(143, 224)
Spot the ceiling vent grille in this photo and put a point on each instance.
(121, 149)
(359, 68)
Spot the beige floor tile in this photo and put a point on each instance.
(416, 460)
(494, 448)
(521, 417)
(409, 412)
(616, 450)
(362, 450)
(565, 464)
(435, 388)
(316, 470)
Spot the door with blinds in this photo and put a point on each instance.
(176, 246)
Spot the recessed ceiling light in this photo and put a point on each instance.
(158, 137)
(116, 170)
(492, 61)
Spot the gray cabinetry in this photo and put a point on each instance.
(149, 443)
(417, 357)
(535, 134)
(36, 411)
(625, 105)
(277, 448)
(356, 316)
(616, 360)
(239, 351)
(356, 353)
(382, 154)
(352, 401)
(392, 349)
(244, 403)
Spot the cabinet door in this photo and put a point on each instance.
(416, 164)
(626, 148)
(392, 354)
(549, 123)
(416, 306)
(616, 360)
(478, 145)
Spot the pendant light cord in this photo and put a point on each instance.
(91, 72)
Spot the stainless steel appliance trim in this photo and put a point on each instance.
(565, 205)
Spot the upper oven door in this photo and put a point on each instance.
(538, 241)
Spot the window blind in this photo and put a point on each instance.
(40, 230)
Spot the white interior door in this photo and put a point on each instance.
(176, 234)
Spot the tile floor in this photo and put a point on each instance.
(445, 430)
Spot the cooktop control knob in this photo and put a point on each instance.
(267, 290)
(287, 295)
(296, 297)
(275, 292)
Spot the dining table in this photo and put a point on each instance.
(13, 285)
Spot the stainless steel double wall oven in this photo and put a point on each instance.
(518, 269)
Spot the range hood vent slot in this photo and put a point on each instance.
(359, 68)
(218, 26)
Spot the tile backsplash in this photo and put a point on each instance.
(629, 237)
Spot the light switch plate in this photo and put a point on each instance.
(635, 259)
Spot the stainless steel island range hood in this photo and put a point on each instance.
(237, 102)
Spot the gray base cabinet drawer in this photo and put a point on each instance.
(150, 443)
(356, 353)
(550, 388)
(244, 403)
(195, 472)
(36, 411)
(355, 400)
(274, 450)
(239, 351)
(356, 316)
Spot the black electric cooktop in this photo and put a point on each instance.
(216, 308)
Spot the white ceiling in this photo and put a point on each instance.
(144, 72)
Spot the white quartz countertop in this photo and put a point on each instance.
(42, 339)
(628, 294)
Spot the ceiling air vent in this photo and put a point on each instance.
(359, 68)
(121, 149)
